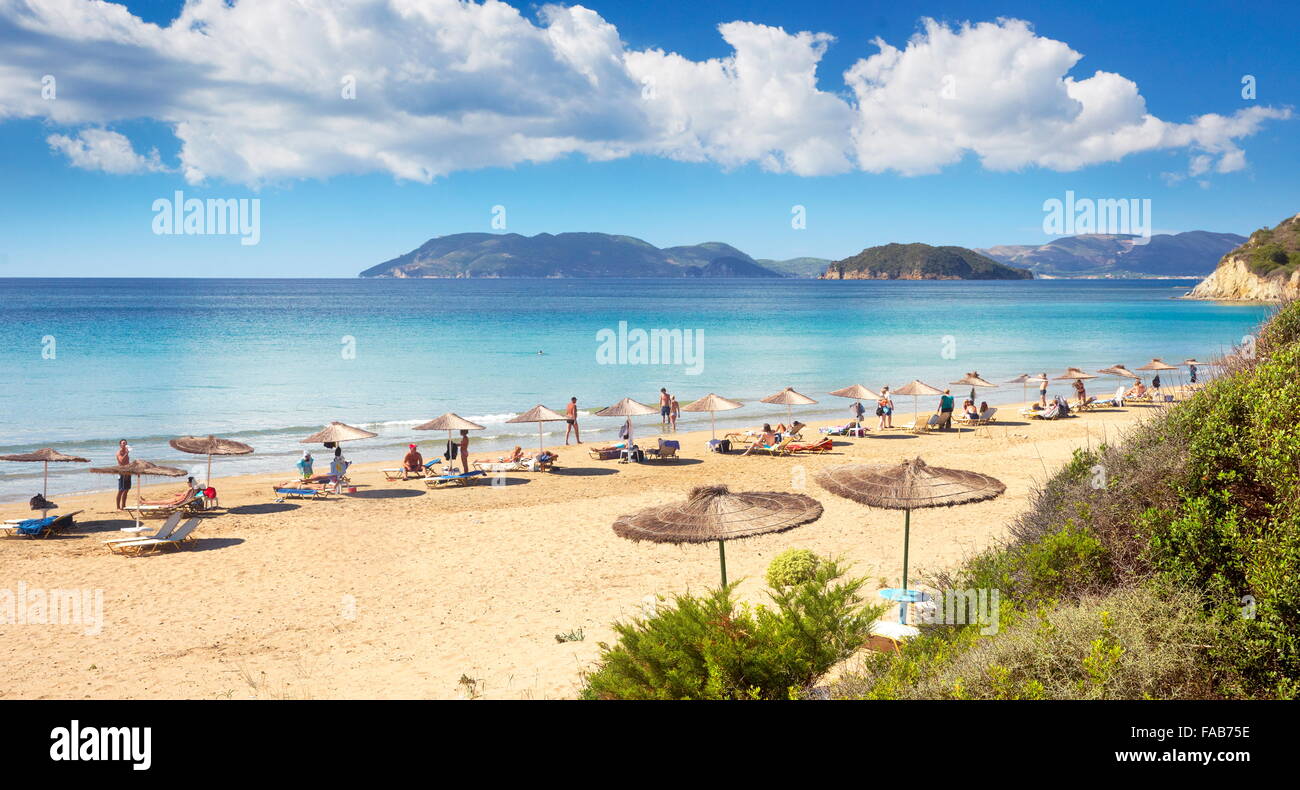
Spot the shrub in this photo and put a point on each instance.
(792, 566)
(711, 647)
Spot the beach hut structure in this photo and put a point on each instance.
(715, 513)
(538, 414)
(209, 446)
(712, 403)
(45, 455)
(915, 388)
(789, 398)
(907, 486)
(139, 469)
(627, 408)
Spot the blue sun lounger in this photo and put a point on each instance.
(40, 527)
(299, 492)
(462, 479)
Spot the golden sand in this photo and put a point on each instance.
(399, 592)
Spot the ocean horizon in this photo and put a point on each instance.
(268, 361)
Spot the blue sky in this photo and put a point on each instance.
(559, 141)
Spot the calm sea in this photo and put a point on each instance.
(88, 361)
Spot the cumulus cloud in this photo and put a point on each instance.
(277, 90)
(101, 149)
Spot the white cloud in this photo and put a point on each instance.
(254, 93)
(101, 149)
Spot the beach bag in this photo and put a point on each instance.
(39, 502)
(880, 411)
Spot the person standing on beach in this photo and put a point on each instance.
(1042, 389)
(665, 406)
(885, 409)
(571, 418)
(945, 409)
(123, 481)
(1192, 369)
(1080, 391)
(464, 450)
(674, 411)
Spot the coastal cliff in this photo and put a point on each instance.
(1264, 269)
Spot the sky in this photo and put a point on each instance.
(364, 128)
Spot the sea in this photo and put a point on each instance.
(86, 362)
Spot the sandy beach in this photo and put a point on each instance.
(401, 592)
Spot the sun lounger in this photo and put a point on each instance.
(1087, 405)
(194, 501)
(606, 453)
(820, 447)
(174, 541)
(780, 448)
(39, 527)
(166, 529)
(931, 424)
(667, 449)
(461, 479)
(405, 474)
(299, 491)
(849, 429)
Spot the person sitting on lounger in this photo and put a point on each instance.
(968, 410)
(1139, 390)
(304, 465)
(767, 439)
(413, 462)
(984, 408)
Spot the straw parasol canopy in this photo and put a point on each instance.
(448, 422)
(138, 469)
(627, 408)
(856, 392)
(1074, 374)
(715, 513)
(46, 456)
(1119, 370)
(1023, 380)
(917, 387)
(908, 486)
(713, 403)
(789, 398)
(973, 380)
(209, 446)
(1158, 364)
(337, 432)
(538, 414)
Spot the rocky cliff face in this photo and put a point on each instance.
(1234, 281)
(1264, 269)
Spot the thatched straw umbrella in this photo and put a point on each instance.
(914, 388)
(138, 469)
(715, 513)
(45, 455)
(538, 414)
(788, 397)
(1074, 374)
(856, 392)
(448, 422)
(972, 380)
(337, 432)
(627, 408)
(1119, 370)
(209, 446)
(1156, 365)
(1023, 380)
(908, 486)
(713, 403)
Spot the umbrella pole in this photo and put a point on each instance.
(722, 561)
(713, 424)
(907, 539)
(139, 481)
(45, 483)
(209, 484)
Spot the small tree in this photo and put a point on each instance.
(711, 647)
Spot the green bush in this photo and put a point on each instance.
(792, 566)
(711, 647)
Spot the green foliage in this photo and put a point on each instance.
(712, 647)
(792, 566)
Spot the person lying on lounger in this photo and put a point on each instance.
(766, 439)
(514, 456)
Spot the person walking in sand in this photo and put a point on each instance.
(123, 481)
(571, 419)
(945, 410)
(1042, 390)
(665, 406)
(674, 411)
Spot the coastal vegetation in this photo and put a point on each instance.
(1160, 567)
(921, 262)
(1275, 250)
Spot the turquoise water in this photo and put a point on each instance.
(88, 361)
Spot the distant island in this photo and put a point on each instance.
(1191, 254)
(577, 255)
(921, 262)
(566, 255)
(1265, 268)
